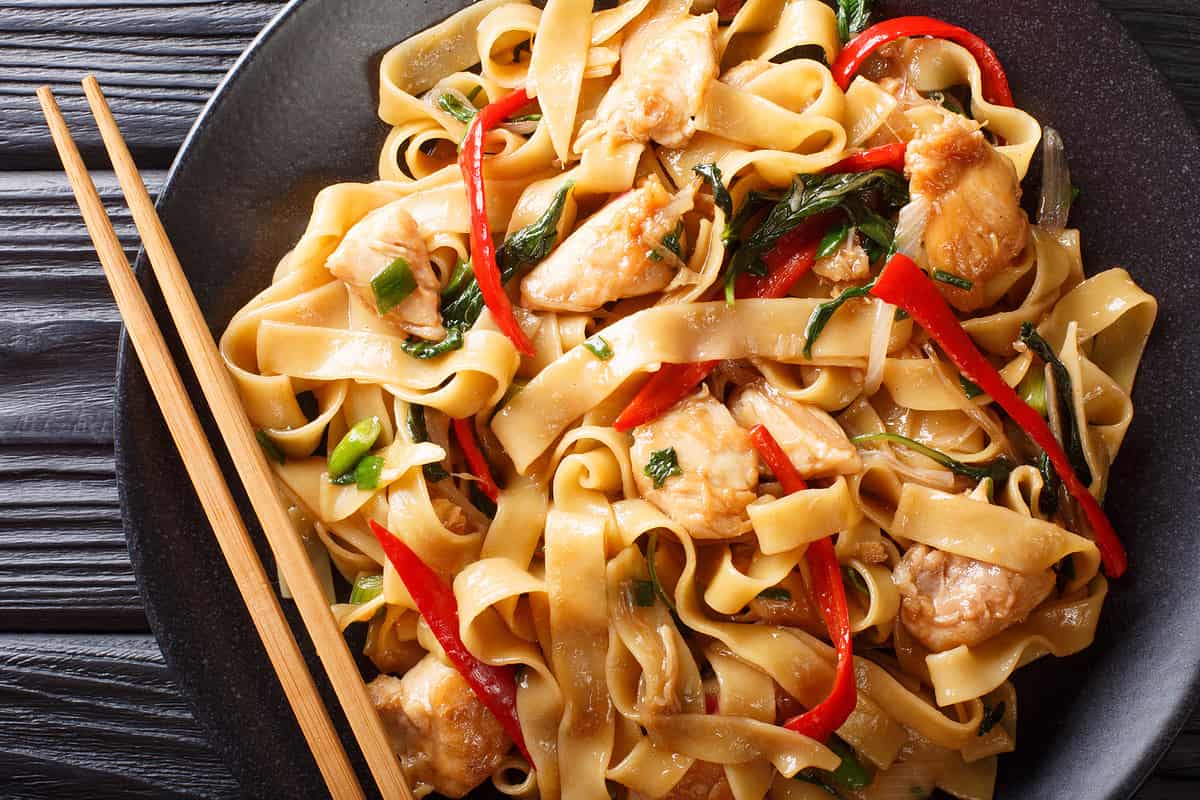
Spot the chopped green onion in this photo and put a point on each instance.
(357, 442)
(832, 241)
(639, 592)
(526, 118)
(392, 285)
(1032, 389)
(775, 593)
(367, 473)
(953, 280)
(471, 95)
(991, 716)
(269, 447)
(343, 480)
(663, 464)
(599, 347)
(367, 586)
(997, 470)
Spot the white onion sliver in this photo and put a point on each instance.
(881, 334)
(910, 227)
(1055, 205)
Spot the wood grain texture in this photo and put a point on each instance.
(98, 717)
(88, 714)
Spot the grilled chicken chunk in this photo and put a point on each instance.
(951, 600)
(717, 462)
(814, 442)
(375, 243)
(618, 252)
(704, 781)
(445, 738)
(661, 90)
(977, 228)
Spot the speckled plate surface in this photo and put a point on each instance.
(298, 112)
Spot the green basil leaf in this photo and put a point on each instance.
(997, 470)
(269, 447)
(419, 348)
(711, 173)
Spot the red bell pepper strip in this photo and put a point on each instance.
(885, 156)
(787, 262)
(820, 721)
(903, 284)
(483, 249)
(475, 460)
(496, 687)
(850, 60)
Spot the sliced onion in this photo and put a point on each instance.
(881, 334)
(1055, 206)
(910, 228)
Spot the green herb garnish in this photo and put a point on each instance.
(419, 348)
(663, 464)
(754, 202)
(711, 173)
(357, 442)
(851, 576)
(526, 118)
(456, 108)
(953, 280)
(1051, 483)
(672, 240)
(1063, 395)
(639, 592)
(463, 272)
(997, 470)
(853, 17)
(652, 568)
(269, 447)
(524, 248)
(969, 387)
(851, 773)
(481, 500)
(777, 593)
(832, 240)
(991, 715)
(367, 586)
(900, 315)
(392, 285)
(824, 312)
(471, 95)
(420, 433)
(599, 347)
(367, 473)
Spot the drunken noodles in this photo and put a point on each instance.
(691, 408)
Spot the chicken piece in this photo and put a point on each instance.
(815, 443)
(618, 252)
(848, 264)
(444, 736)
(797, 611)
(950, 600)
(718, 467)
(703, 781)
(976, 228)
(375, 243)
(661, 88)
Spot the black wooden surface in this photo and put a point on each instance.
(87, 708)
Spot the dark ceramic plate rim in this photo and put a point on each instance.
(1141, 766)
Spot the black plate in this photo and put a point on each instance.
(298, 112)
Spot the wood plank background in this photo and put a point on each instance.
(86, 705)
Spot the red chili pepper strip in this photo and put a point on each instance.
(475, 460)
(483, 249)
(787, 263)
(995, 82)
(496, 687)
(820, 721)
(903, 284)
(885, 156)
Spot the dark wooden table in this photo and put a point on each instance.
(87, 708)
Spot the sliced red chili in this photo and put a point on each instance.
(479, 466)
(820, 721)
(495, 686)
(885, 156)
(483, 248)
(850, 60)
(902, 283)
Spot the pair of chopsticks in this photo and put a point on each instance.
(201, 464)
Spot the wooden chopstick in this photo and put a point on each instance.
(204, 472)
(248, 458)
(235, 429)
(257, 478)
